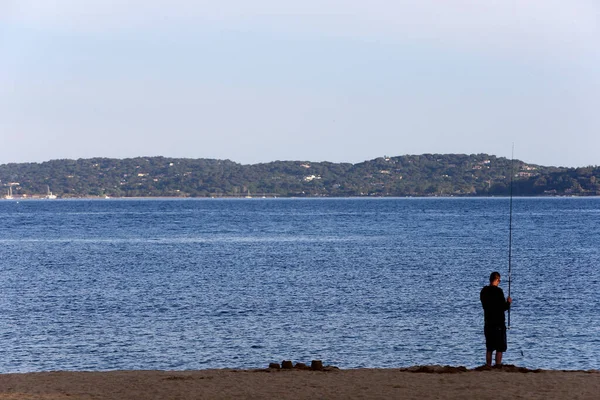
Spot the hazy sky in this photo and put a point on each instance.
(264, 80)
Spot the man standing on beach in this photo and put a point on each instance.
(494, 306)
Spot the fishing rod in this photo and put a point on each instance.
(512, 161)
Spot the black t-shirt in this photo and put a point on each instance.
(494, 304)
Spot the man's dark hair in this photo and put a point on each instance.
(494, 275)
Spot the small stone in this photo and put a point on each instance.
(300, 365)
(287, 364)
(316, 365)
(274, 366)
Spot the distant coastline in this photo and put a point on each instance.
(426, 175)
(125, 198)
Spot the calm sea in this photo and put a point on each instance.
(196, 284)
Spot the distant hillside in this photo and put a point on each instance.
(410, 175)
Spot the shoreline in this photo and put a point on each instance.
(299, 366)
(271, 197)
(417, 382)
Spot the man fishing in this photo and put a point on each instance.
(494, 306)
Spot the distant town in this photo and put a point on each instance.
(408, 175)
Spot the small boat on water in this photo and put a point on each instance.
(50, 196)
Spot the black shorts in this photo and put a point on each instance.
(495, 338)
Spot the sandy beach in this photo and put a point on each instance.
(429, 383)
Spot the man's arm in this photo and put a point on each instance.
(483, 298)
(506, 302)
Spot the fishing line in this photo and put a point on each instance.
(512, 161)
(512, 173)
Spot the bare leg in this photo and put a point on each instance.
(498, 358)
(488, 358)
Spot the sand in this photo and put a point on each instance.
(446, 383)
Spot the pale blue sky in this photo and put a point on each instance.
(264, 80)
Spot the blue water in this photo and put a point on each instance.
(195, 284)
